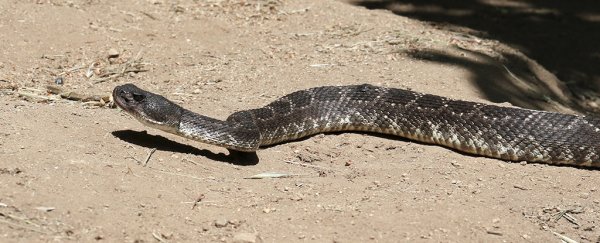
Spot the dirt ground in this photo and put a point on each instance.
(82, 171)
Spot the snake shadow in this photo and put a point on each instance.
(146, 140)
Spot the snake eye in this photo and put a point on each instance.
(138, 97)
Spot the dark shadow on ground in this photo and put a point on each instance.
(161, 143)
(239, 158)
(514, 79)
(562, 36)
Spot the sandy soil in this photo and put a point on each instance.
(74, 171)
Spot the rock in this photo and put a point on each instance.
(59, 80)
(246, 238)
(220, 223)
(45, 209)
(113, 53)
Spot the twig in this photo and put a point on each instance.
(125, 69)
(133, 157)
(71, 70)
(207, 203)
(34, 96)
(31, 89)
(198, 200)
(114, 75)
(158, 237)
(148, 157)
(149, 15)
(492, 232)
(189, 161)
(102, 80)
(130, 171)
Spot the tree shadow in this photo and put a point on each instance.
(513, 80)
(560, 35)
(144, 139)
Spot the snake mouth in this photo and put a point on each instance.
(127, 100)
(119, 101)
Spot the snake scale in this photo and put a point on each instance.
(505, 133)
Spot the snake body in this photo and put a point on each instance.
(505, 133)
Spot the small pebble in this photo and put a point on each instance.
(45, 209)
(220, 223)
(113, 53)
(59, 80)
(296, 197)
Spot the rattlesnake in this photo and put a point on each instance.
(499, 132)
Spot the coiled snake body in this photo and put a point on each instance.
(499, 132)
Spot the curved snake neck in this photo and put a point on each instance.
(498, 132)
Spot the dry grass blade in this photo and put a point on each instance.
(565, 214)
(26, 224)
(158, 237)
(22, 226)
(134, 65)
(570, 218)
(70, 70)
(270, 175)
(564, 238)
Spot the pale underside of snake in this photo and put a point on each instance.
(505, 133)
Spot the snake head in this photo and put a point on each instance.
(149, 108)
